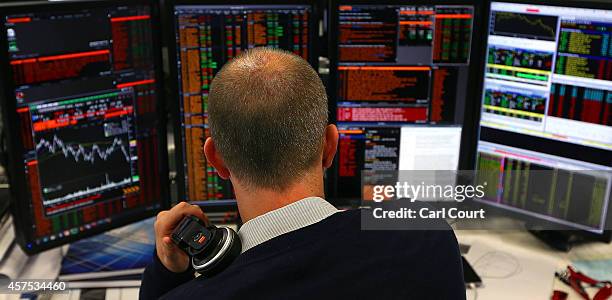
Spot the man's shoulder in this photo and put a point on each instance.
(343, 235)
(335, 247)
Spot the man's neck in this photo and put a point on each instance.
(256, 202)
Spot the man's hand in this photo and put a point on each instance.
(171, 256)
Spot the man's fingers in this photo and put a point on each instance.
(167, 242)
(170, 218)
(169, 254)
(195, 211)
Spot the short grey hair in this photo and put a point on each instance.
(267, 115)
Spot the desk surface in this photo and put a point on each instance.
(535, 257)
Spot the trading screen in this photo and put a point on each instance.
(207, 36)
(87, 116)
(398, 65)
(547, 106)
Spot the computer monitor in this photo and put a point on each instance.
(547, 107)
(82, 110)
(396, 65)
(206, 35)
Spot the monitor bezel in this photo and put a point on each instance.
(175, 106)
(467, 132)
(605, 235)
(20, 206)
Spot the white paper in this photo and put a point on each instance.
(45, 265)
(429, 148)
(12, 265)
(510, 272)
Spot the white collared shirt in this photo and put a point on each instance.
(288, 218)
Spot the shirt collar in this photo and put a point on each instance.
(288, 218)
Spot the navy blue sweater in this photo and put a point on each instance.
(333, 258)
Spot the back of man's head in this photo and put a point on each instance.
(267, 116)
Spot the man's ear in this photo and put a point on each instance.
(330, 145)
(215, 159)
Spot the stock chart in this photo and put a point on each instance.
(87, 117)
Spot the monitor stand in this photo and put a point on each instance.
(556, 239)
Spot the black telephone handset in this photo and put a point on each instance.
(211, 248)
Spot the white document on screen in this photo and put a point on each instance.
(429, 148)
